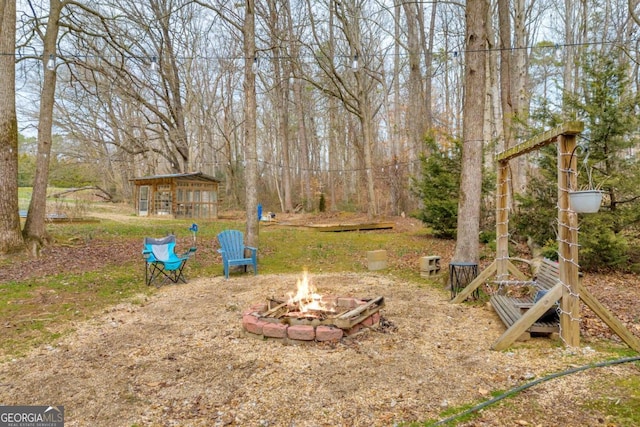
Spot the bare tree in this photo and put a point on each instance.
(229, 125)
(334, 122)
(569, 55)
(450, 79)
(321, 123)
(250, 110)
(467, 246)
(427, 46)
(506, 59)
(281, 76)
(10, 236)
(356, 86)
(35, 231)
(131, 51)
(416, 114)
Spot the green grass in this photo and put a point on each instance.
(39, 310)
(617, 350)
(621, 401)
(24, 196)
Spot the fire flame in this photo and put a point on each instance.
(306, 298)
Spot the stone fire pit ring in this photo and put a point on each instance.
(275, 320)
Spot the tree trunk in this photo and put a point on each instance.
(520, 97)
(231, 138)
(286, 145)
(467, 246)
(303, 144)
(568, 52)
(169, 66)
(416, 115)
(35, 231)
(250, 140)
(281, 76)
(428, 63)
(393, 111)
(493, 124)
(367, 141)
(286, 141)
(508, 100)
(10, 236)
(506, 53)
(333, 124)
(366, 126)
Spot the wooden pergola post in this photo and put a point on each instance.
(502, 220)
(568, 242)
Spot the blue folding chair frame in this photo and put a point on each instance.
(161, 261)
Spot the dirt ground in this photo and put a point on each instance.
(180, 358)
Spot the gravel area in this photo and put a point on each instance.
(181, 358)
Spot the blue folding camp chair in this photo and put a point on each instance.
(162, 265)
(232, 249)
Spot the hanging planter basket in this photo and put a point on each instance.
(589, 199)
(585, 201)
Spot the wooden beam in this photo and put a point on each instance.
(352, 227)
(358, 314)
(502, 220)
(514, 270)
(567, 128)
(528, 318)
(480, 279)
(568, 243)
(608, 318)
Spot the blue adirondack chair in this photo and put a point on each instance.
(234, 252)
(161, 261)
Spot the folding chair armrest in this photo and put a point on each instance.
(187, 254)
(146, 253)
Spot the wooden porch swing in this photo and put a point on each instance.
(567, 290)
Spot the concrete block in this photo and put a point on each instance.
(377, 260)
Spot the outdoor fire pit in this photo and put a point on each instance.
(308, 316)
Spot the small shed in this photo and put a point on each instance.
(181, 195)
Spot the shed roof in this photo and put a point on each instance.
(192, 176)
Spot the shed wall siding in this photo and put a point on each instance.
(180, 198)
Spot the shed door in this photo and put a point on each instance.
(143, 201)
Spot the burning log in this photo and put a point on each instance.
(276, 311)
(309, 310)
(284, 312)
